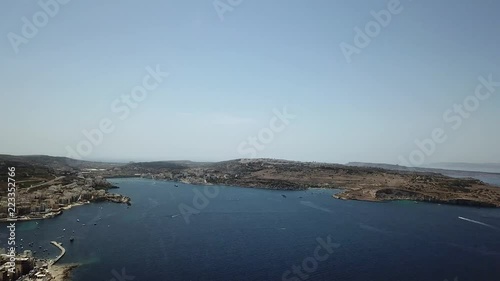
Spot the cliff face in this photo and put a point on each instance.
(358, 183)
(428, 188)
(390, 194)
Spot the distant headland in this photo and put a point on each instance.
(67, 181)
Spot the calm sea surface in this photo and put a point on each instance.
(257, 234)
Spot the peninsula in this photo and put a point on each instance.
(81, 181)
(365, 183)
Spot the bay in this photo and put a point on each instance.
(258, 234)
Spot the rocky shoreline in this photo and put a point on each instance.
(62, 272)
(57, 185)
(356, 183)
(382, 195)
(398, 195)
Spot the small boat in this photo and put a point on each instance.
(176, 185)
(77, 220)
(71, 239)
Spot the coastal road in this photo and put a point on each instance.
(46, 183)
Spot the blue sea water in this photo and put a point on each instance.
(257, 234)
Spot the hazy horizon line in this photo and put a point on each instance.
(127, 160)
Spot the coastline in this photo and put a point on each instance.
(58, 212)
(371, 184)
(371, 194)
(62, 272)
(49, 215)
(395, 194)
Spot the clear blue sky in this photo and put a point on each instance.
(227, 76)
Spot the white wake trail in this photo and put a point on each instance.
(478, 222)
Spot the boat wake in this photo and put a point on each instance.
(314, 206)
(478, 222)
(376, 230)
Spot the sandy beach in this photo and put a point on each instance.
(61, 272)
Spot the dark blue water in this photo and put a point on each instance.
(256, 234)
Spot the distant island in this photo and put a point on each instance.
(64, 182)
